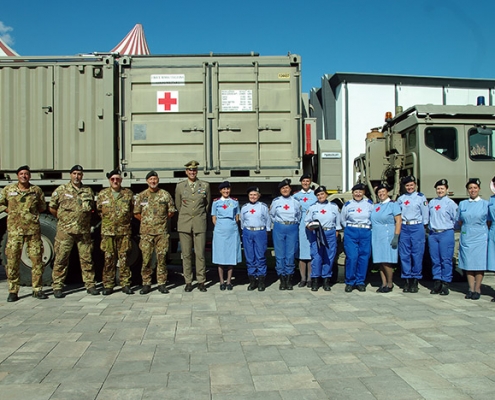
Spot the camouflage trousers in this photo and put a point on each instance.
(147, 244)
(63, 246)
(13, 251)
(116, 248)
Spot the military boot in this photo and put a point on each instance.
(407, 286)
(252, 283)
(414, 286)
(283, 284)
(444, 291)
(326, 284)
(437, 286)
(314, 284)
(288, 282)
(261, 283)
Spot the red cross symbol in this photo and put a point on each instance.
(323, 211)
(377, 209)
(406, 202)
(437, 207)
(286, 207)
(252, 211)
(225, 206)
(167, 101)
(359, 210)
(305, 199)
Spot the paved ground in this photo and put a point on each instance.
(248, 345)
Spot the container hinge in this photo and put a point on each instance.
(269, 128)
(229, 128)
(193, 129)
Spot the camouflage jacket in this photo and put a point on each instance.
(24, 208)
(115, 212)
(74, 206)
(154, 209)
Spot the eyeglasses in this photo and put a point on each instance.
(115, 179)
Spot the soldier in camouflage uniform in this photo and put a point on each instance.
(115, 205)
(24, 203)
(72, 204)
(154, 207)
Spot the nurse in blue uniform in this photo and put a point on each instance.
(285, 212)
(307, 198)
(472, 217)
(443, 212)
(255, 223)
(226, 248)
(415, 215)
(386, 223)
(323, 237)
(491, 232)
(355, 218)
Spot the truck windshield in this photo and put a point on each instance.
(443, 140)
(481, 144)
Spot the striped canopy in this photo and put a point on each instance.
(134, 43)
(6, 51)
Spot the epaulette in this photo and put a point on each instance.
(369, 201)
(421, 194)
(218, 198)
(234, 198)
(347, 202)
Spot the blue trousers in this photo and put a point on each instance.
(411, 250)
(285, 242)
(357, 247)
(255, 244)
(322, 258)
(441, 252)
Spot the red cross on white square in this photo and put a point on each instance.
(167, 101)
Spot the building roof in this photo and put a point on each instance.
(6, 51)
(134, 43)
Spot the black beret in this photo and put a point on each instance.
(473, 180)
(408, 179)
(150, 174)
(320, 189)
(358, 186)
(305, 176)
(224, 184)
(116, 171)
(441, 182)
(493, 179)
(285, 182)
(253, 189)
(76, 167)
(23, 168)
(382, 186)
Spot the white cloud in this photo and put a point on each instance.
(4, 34)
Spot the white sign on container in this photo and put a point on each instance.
(237, 100)
(168, 80)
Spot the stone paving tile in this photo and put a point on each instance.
(23, 391)
(347, 388)
(76, 391)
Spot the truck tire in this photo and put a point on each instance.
(48, 231)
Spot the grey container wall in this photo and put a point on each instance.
(56, 112)
(239, 116)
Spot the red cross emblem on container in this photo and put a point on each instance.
(167, 101)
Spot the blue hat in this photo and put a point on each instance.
(253, 189)
(320, 189)
(473, 180)
(358, 186)
(382, 186)
(224, 184)
(305, 176)
(441, 182)
(408, 179)
(285, 182)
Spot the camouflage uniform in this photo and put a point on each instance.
(23, 226)
(74, 206)
(154, 208)
(115, 209)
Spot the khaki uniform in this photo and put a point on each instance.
(193, 204)
(74, 206)
(154, 208)
(115, 209)
(23, 226)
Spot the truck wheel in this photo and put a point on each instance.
(48, 231)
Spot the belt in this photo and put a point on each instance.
(411, 222)
(359, 226)
(287, 222)
(439, 230)
(329, 229)
(255, 228)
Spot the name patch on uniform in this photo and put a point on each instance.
(105, 202)
(13, 193)
(69, 195)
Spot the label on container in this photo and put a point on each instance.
(237, 100)
(168, 80)
(331, 154)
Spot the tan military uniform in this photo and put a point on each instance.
(154, 208)
(115, 209)
(23, 226)
(74, 206)
(193, 204)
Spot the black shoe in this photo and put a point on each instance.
(282, 285)
(12, 297)
(407, 286)
(444, 291)
(127, 290)
(476, 296)
(437, 286)
(252, 283)
(302, 284)
(288, 282)
(188, 287)
(107, 291)
(229, 286)
(92, 291)
(414, 286)
(223, 286)
(57, 293)
(387, 289)
(163, 289)
(314, 284)
(361, 288)
(202, 287)
(380, 289)
(261, 284)
(326, 284)
(145, 289)
(40, 295)
(493, 300)
(468, 295)
(348, 288)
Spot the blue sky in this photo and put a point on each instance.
(451, 38)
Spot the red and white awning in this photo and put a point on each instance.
(134, 43)
(6, 51)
